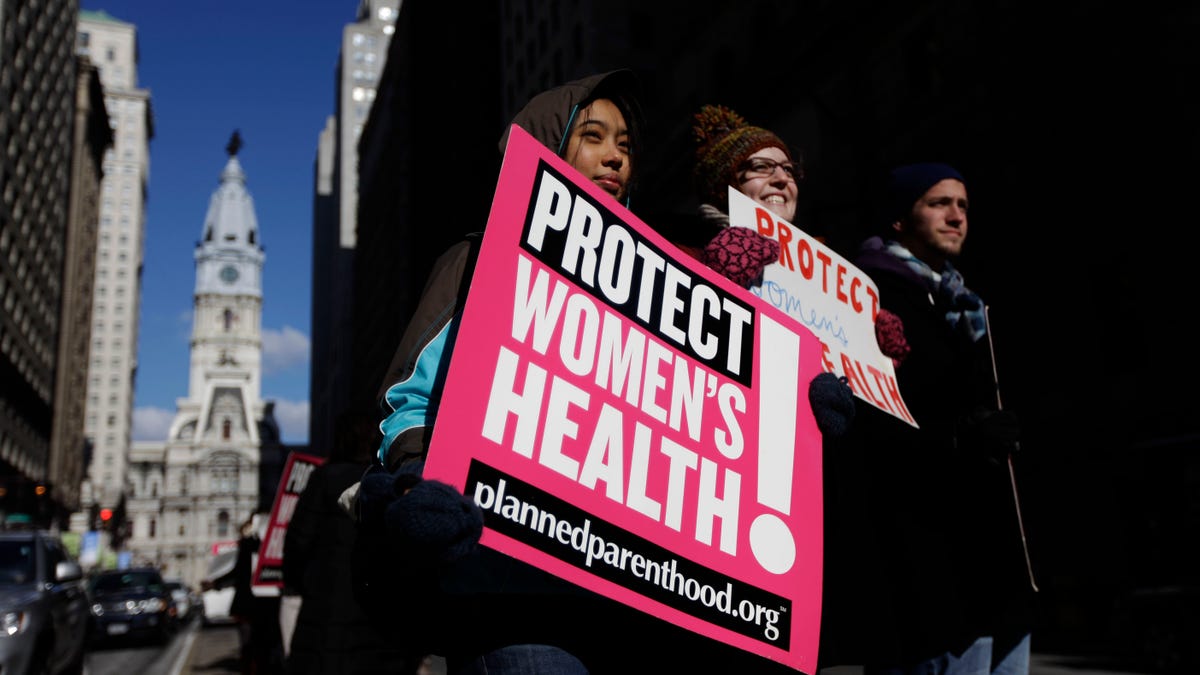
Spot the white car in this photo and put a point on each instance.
(181, 596)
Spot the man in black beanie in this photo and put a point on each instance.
(948, 579)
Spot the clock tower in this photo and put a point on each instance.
(224, 442)
(226, 326)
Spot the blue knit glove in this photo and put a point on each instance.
(429, 520)
(832, 404)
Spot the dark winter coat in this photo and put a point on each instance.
(937, 553)
(333, 634)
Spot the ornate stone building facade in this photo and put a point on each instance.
(194, 490)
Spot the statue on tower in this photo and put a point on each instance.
(235, 143)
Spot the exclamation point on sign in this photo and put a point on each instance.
(770, 539)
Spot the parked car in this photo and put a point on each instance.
(131, 603)
(43, 605)
(185, 605)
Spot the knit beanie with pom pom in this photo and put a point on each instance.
(724, 141)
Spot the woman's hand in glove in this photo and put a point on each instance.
(740, 254)
(832, 404)
(429, 520)
(889, 332)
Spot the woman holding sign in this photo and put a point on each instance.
(756, 162)
(420, 568)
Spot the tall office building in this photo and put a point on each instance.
(69, 446)
(112, 45)
(195, 489)
(38, 247)
(335, 205)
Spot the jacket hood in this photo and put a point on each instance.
(548, 116)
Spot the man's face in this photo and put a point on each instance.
(937, 226)
(599, 148)
(771, 186)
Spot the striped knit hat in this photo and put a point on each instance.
(724, 141)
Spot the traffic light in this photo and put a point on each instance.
(106, 515)
(118, 525)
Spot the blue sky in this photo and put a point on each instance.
(267, 69)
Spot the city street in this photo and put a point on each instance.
(194, 649)
(142, 657)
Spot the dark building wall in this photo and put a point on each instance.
(37, 99)
(428, 165)
(329, 367)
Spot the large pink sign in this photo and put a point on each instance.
(631, 421)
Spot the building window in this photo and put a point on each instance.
(228, 318)
(226, 428)
(223, 524)
(153, 527)
(225, 481)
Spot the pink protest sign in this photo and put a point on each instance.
(631, 421)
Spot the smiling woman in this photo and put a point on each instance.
(732, 153)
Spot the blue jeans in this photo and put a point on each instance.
(976, 660)
(522, 660)
(1016, 661)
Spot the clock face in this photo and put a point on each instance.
(229, 274)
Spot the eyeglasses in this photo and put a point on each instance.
(762, 167)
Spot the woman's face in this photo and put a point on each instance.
(770, 183)
(599, 148)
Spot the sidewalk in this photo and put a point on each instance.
(213, 651)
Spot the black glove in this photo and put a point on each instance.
(430, 520)
(832, 404)
(375, 492)
(995, 433)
